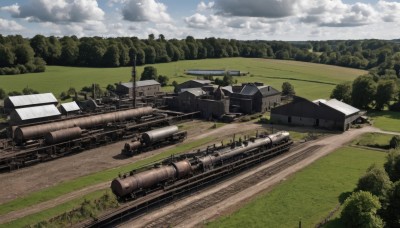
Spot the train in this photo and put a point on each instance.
(150, 140)
(140, 182)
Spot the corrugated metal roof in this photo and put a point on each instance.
(195, 91)
(37, 112)
(341, 107)
(70, 106)
(33, 99)
(141, 83)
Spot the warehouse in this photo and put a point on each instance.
(34, 114)
(331, 114)
(143, 88)
(23, 101)
(192, 84)
(69, 108)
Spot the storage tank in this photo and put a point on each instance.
(63, 135)
(156, 135)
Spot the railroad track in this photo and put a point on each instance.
(18, 157)
(185, 187)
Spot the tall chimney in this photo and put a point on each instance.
(134, 81)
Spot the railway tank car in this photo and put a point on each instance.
(138, 183)
(153, 139)
(24, 133)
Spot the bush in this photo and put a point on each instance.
(30, 67)
(2, 93)
(395, 142)
(22, 69)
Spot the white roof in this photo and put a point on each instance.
(24, 100)
(37, 112)
(341, 107)
(70, 106)
(141, 83)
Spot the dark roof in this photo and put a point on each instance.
(140, 83)
(251, 89)
(204, 82)
(33, 99)
(37, 112)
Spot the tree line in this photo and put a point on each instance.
(378, 56)
(376, 199)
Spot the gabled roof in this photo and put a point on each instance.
(37, 112)
(227, 88)
(141, 83)
(204, 82)
(70, 106)
(251, 89)
(33, 99)
(267, 90)
(341, 107)
(195, 91)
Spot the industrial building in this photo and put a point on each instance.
(34, 114)
(252, 97)
(331, 114)
(69, 108)
(192, 84)
(23, 101)
(143, 88)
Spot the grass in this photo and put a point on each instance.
(53, 212)
(386, 120)
(92, 179)
(309, 79)
(375, 140)
(308, 195)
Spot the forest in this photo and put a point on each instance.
(23, 55)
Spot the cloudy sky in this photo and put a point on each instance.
(239, 19)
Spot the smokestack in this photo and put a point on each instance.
(134, 81)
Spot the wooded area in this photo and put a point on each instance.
(22, 55)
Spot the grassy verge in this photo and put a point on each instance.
(374, 140)
(386, 120)
(309, 195)
(48, 214)
(92, 179)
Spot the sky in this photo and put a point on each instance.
(288, 20)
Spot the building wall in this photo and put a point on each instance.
(307, 122)
(150, 90)
(188, 85)
(213, 108)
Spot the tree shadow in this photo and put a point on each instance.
(334, 223)
(343, 196)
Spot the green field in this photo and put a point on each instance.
(310, 80)
(375, 140)
(386, 120)
(308, 195)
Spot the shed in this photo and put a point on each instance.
(332, 114)
(143, 88)
(23, 101)
(34, 114)
(69, 107)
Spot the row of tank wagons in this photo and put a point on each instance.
(142, 182)
(153, 139)
(69, 129)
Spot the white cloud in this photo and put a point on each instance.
(203, 6)
(201, 21)
(390, 11)
(58, 11)
(13, 9)
(10, 26)
(145, 10)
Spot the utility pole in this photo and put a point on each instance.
(134, 81)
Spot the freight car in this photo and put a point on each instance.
(153, 139)
(142, 182)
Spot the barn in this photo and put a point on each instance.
(69, 108)
(330, 114)
(34, 114)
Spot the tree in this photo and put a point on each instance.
(28, 91)
(288, 89)
(363, 91)
(392, 165)
(149, 73)
(24, 53)
(111, 57)
(150, 55)
(163, 80)
(342, 92)
(40, 64)
(110, 88)
(377, 182)
(384, 93)
(7, 56)
(392, 213)
(2, 94)
(395, 142)
(360, 210)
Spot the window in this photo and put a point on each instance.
(289, 120)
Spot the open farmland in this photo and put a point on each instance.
(310, 80)
(309, 195)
